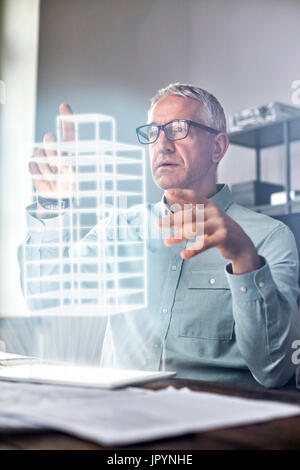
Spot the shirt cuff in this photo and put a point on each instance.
(45, 229)
(254, 285)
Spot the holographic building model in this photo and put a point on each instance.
(90, 259)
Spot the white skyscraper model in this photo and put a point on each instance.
(87, 259)
(91, 260)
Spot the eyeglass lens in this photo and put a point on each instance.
(174, 130)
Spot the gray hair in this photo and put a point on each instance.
(213, 108)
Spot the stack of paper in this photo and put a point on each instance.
(127, 416)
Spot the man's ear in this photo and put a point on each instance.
(221, 143)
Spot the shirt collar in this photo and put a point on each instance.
(222, 198)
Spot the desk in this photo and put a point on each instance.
(277, 434)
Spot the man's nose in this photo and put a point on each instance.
(164, 144)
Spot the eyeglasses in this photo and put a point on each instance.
(174, 130)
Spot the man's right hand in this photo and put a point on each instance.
(53, 181)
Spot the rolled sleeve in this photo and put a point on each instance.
(265, 309)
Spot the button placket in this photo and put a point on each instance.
(170, 292)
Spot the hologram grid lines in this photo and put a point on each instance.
(91, 260)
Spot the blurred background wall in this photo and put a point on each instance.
(112, 56)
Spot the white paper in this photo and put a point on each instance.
(8, 359)
(127, 416)
(79, 376)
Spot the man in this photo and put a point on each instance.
(220, 308)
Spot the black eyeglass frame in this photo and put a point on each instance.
(162, 127)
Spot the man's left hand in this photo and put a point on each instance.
(219, 231)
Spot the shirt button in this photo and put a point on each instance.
(174, 267)
(261, 284)
(164, 310)
(212, 281)
(156, 345)
(243, 289)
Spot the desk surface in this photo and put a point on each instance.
(276, 434)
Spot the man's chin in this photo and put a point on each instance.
(168, 183)
(166, 186)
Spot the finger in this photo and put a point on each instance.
(33, 168)
(190, 225)
(211, 226)
(196, 214)
(203, 244)
(189, 231)
(184, 196)
(67, 177)
(175, 238)
(37, 180)
(68, 129)
(39, 158)
(48, 139)
(45, 180)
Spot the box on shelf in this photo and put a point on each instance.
(254, 193)
(280, 198)
(261, 115)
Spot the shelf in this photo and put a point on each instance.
(294, 207)
(267, 135)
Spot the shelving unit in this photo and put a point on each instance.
(270, 135)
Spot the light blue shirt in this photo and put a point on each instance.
(202, 321)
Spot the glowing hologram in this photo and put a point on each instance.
(88, 259)
(2, 92)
